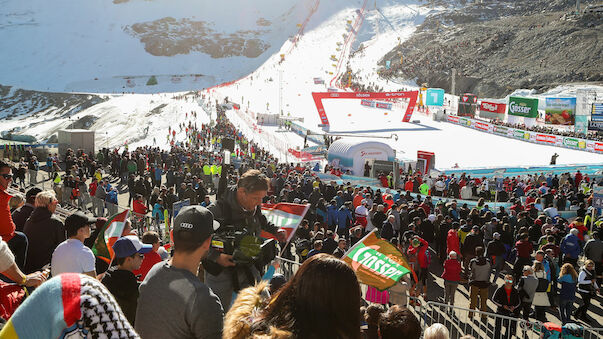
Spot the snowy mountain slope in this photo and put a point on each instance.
(104, 46)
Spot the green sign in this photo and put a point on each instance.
(518, 134)
(523, 107)
(500, 130)
(570, 142)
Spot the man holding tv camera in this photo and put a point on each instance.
(237, 253)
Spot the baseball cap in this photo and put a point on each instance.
(496, 235)
(129, 245)
(76, 221)
(195, 223)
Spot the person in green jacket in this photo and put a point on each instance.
(424, 188)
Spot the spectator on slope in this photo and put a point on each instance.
(588, 288)
(570, 247)
(150, 258)
(329, 244)
(44, 232)
(568, 278)
(387, 230)
(173, 302)
(341, 248)
(495, 251)
(399, 322)
(473, 240)
(120, 280)
(420, 248)
(524, 254)
(17, 241)
(361, 213)
(451, 276)
(452, 240)
(324, 308)
(436, 331)
(344, 219)
(507, 300)
(479, 281)
(21, 214)
(593, 250)
(71, 256)
(527, 289)
(541, 300)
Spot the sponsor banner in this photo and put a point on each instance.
(369, 103)
(467, 103)
(318, 81)
(597, 112)
(523, 107)
(540, 138)
(453, 119)
(581, 125)
(383, 105)
(481, 126)
(492, 110)
(501, 130)
(595, 125)
(560, 111)
(376, 262)
(434, 97)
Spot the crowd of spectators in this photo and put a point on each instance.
(473, 245)
(591, 135)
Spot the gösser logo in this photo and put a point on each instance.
(186, 225)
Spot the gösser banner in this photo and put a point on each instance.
(376, 262)
(523, 107)
(492, 110)
(560, 111)
(529, 136)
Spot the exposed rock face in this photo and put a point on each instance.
(497, 47)
(169, 36)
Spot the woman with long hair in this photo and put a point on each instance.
(587, 287)
(322, 300)
(567, 294)
(541, 298)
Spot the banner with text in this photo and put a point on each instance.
(529, 136)
(492, 110)
(560, 111)
(523, 107)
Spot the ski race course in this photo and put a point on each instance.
(312, 43)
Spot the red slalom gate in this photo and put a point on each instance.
(319, 96)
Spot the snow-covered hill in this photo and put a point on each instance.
(114, 46)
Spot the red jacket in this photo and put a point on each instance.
(420, 252)
(452, 270)
(408, 186)
(453, 242)
(7, 226)
(524, 249)
(582, 230)
(139, 208)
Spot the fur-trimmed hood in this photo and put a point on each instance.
(245, 310)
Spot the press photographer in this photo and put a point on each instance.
(237, 253)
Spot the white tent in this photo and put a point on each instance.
(352, 154)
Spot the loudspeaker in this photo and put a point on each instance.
(228, 144)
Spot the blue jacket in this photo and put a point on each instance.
(157, 212)
(570, 245)
(339, 200)
(343, 214)
(111, 197)
(331, 215)
(568, 288)
(158, 173)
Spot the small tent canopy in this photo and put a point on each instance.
(352, 154)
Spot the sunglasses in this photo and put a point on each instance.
(7, 176)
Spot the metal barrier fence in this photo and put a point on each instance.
(462, 321)
(593, 332)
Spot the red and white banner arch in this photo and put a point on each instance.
(319, 96)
